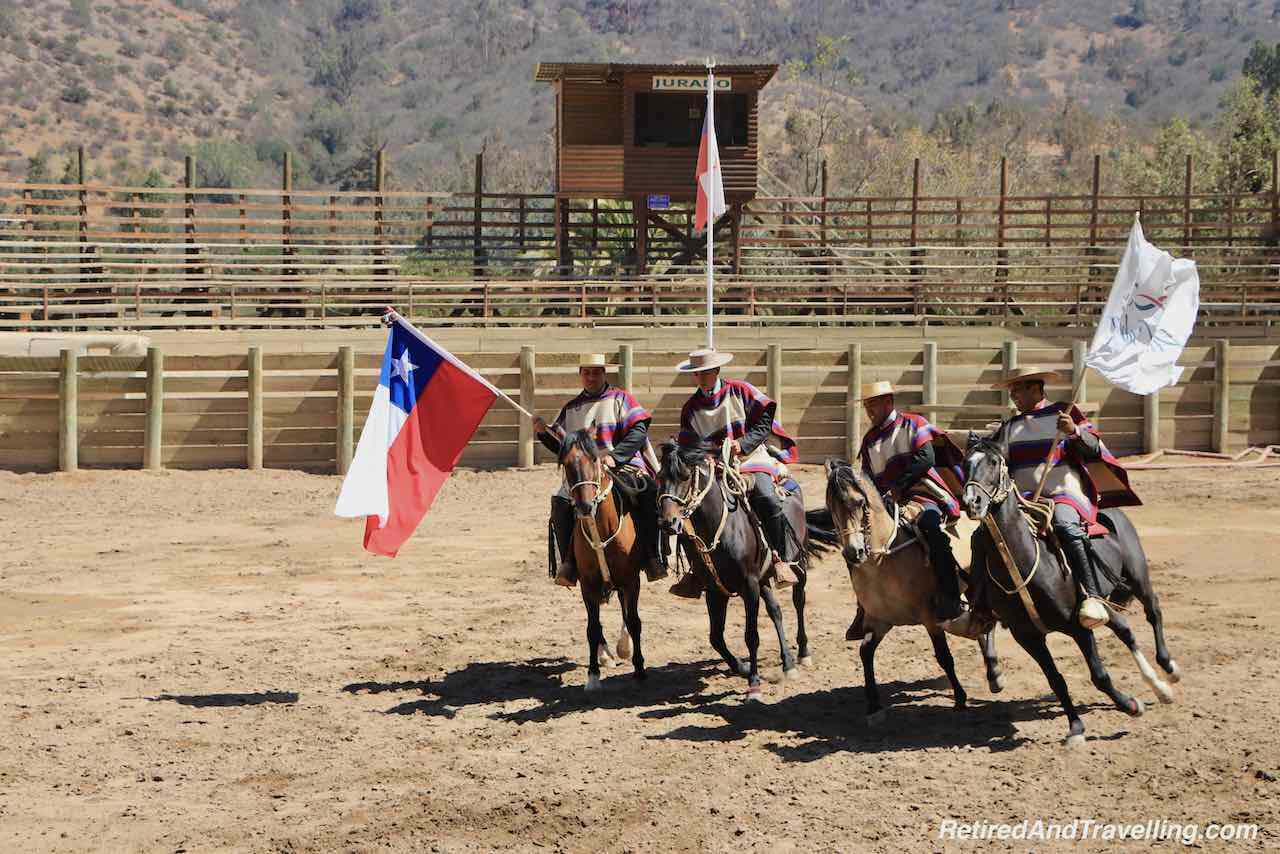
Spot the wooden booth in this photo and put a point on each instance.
(629, 133)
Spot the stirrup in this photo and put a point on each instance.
(1093, 613)
(566, 575)
(783, 575)
(688, 587)
(968, 625)
(655, 570)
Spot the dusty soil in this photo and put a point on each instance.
(207, 660)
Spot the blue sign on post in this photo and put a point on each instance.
(659, 202)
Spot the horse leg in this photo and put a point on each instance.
(802, 638)
(751, 601)
(1120, 628)
(1151, 605)
(1033, 642)
(1098, 673)
(717, 612)
(774, 610)
(942, 653)
(867, 651)
(630, 601)
(595, 638)
(987, 644)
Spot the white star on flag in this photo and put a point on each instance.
(403, 367)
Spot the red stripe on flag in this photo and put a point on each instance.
(425, 452)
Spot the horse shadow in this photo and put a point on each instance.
(540, 679)
(832, 721)
(201, 701)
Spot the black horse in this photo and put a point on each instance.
(989, 495)
(696, 487)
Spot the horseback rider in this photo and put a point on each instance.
(621, 427)
(736, 408)
(897, 453)
(1038, 426)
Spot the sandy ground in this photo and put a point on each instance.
(207, 660)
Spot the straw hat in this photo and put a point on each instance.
(1019, 374)
(594, 360)
(703, 360)
(879, 388)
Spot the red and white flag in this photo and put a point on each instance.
(710, 186)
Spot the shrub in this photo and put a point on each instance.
(76, 93)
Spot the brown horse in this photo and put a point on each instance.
(892, 580)
(606, 548)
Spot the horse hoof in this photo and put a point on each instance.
(1174, 671)
(875, 719)
(641, 675)
(593, 683)
(743, 670)
(1136, 707)
(806, 661)
(961, 704)
(1163, 692)
(623, 648)
(996, 684)
(1075, 742)
(788, 675)
(755, 694)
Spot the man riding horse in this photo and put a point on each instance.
(1070, 483)
(621, 427)
(898, 454)
(737, 409)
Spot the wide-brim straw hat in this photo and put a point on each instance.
(595, 360)
(879, 388)
(704, 360)
(1019, 374)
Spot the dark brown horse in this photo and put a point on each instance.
(892, 580)
(1042, 596)
(606, 548)
(695, 488)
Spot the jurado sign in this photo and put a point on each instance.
(689, 84)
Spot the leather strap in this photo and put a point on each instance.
(1012, 566)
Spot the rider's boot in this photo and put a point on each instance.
(689, 586)
(1093, 611)
(563, 521)
(775, 531)
(946, 603)
(646, 521)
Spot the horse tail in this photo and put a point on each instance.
(821, 530)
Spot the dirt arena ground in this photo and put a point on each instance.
(207, 660)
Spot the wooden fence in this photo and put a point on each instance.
(305, 410)
(89, 256)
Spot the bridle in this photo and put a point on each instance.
(731, 483)
(888, 548)
(998, 493)
(603, 489)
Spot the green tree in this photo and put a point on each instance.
(818, 108)
(1263, 65)
(1249, 130)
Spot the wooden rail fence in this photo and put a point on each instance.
(263, 409)
(100, 256)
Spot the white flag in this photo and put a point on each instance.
(1148, 318)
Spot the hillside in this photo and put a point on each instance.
(238, 81)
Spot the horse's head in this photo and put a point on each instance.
(580, 457)
(986, 477)
(678, 479)
(851, 500)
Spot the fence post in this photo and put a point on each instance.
(915, 217)
(379, 202)
(476, 248)
(822, 225)
(83, 218)
(1186, 207)
(524, 447)
(1010, 362)
(774, 372)
(1221, 394)
(286, 208)
(189, 216)
(1092, 249)
(1151, 422)
(853, 406)
(69, 410)
(152, 450)
(626, 366)
(1078, 379)
(254, 441)
(929, 380)
(346, 408)
(1002, 271)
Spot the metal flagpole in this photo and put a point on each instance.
(710, 120)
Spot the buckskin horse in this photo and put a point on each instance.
(705, 503)
(892, 580)
(606, 549)
(1037, 595)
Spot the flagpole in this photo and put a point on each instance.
(711, 88)
(392, 316)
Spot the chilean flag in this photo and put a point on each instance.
(427, 406)
(710, 186)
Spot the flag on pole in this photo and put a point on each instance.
(1148, 318)
(710, 186)
(425, 410)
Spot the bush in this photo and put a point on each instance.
(76, 93)
(174, 49)
(1218, 73)
(131, 49)
(155, 71)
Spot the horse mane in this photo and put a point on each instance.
(677, 459)
(845, 475)
(583, 440)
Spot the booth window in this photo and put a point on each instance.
(675, 119)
